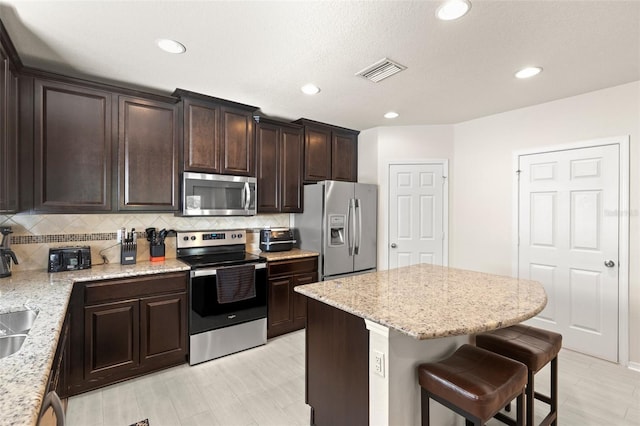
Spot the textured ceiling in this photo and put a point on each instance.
(261, 52)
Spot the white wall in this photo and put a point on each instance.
(481, 176)
(481, 222)
(405, 143)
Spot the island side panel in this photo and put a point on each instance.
(337, 366)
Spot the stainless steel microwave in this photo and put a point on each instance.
(205, 194)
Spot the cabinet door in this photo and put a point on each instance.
(163, 328)
(291, 171)
(237, 149)
(299, 302)
(8, 137)
(268, 159)
(111, 339)
(148, 154)
(72, 155)
(279, 303)
(201, 136)
(344, 157)
(317, 154)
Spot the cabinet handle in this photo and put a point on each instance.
(53, 400)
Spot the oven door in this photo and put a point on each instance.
(206, 313)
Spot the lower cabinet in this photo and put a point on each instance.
(126, 327)
(287, 310)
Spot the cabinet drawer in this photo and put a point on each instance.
(134, 287)
(290, 267)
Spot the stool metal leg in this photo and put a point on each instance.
(519, 410)
(530, 397)
(424, 407)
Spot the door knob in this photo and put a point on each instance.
(609, 263)
(393, 245)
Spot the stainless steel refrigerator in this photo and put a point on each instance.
(340, 223)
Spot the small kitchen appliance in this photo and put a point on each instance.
(276, 239)
(6, 254)
(227, 293)
(69, 258)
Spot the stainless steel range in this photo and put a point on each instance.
(228, 293)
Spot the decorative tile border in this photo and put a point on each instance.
(65, 238)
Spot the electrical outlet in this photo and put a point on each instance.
(119, 235)
(378, 363)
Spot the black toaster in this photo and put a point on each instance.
(276, 239)
(69, 258)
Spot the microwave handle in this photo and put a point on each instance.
(247, 195)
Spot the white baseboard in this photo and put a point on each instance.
(635, 366)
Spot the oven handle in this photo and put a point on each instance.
(206, 272)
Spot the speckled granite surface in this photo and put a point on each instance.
(295, 253)
(24, 375)
(426, 301)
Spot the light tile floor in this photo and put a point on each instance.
(265, 386)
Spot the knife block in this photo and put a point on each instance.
(157, 252)
(128, 253)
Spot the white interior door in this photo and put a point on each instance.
(416, 214)
(568, 231)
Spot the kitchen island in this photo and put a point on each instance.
(367, 333)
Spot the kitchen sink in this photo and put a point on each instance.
(18, 322)
(14, 327)
(11, 344)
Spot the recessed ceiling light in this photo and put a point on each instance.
(453, 9)
(528, 72)
(170, 46)
(391, 114)
(310, 89)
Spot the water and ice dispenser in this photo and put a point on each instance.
(336, 229)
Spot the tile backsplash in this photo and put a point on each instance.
(33, 235)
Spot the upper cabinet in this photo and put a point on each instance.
(279, 167)
(330, 152)
(218, 135)
(147, 155)
(9, 104)
(72, 148)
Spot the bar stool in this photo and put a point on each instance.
(474, 383)
(535, 348)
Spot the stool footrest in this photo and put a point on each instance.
(550, 419)
(505, 419)
(541, 397)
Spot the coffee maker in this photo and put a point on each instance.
(6, 254)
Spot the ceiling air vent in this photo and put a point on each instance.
(380, 70)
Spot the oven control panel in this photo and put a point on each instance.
(190, 239)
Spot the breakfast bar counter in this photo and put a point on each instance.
(367, 333)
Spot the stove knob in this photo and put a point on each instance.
(185, 238)
(233, 235)
(239, 235)
(193, 238)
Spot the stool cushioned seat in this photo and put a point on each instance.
(476, 380)
(532, 346)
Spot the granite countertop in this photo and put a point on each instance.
(295, 253)
(24, 375)
(426, 301)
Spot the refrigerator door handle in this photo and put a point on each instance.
(356, 250)
(351, 226)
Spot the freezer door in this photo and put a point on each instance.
(366, 197)
(339, 236)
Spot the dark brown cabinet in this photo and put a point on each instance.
(279, 167)
(148, 155)
(330, 152)
(8, 135)
(128, 327)
(218, 135)
(72, 148)
(287, 310)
